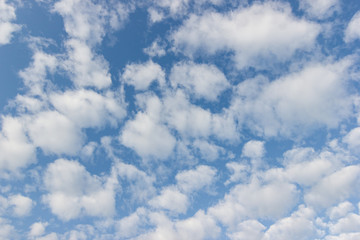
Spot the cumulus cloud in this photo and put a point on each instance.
(87, 108)
(37, 229)
(7, 27)
(16, 150)
(142, 75)
(314, 96)
(352, 31)
(200, 80)
(74, 192)
(353, 140)
(196, 179)
(243, 32)
(55, 133)
(171, 199)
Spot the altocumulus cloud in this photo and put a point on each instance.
(179, 119)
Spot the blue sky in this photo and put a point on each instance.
(179, 119)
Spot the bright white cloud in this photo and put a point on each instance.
(7, 28)
(254, 149)
(88, 108)
(200, 80)
(142, 75)
(248, 230)
(37, 229)
(352, 32)
(347, 224)
(171, 199)
(21, 205)
(74, 192)
(340, 210)
(353, 140)
(315, 96)
(194, 180)
(320, 8)
(16, 150)
(334, 188)
(238, 171)
(262, 31)
(7, 231)
(208, 151)
(55, 133)
(156, 49)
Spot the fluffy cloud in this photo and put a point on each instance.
(320, 8)
(74, 192)
(262, 31)
(171, 199)
(315, 96)
(201, 80)
(194, 180)
(37, 229)
(353, 140)
(352, 32)
(253, 149)
(255, 200)
(16, 150)
(7, 28)
(55, 133)
(142, 75)
(88, 108)
(21, 205)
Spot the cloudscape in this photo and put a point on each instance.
(179, 119)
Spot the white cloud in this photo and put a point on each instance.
(156, 49)
(208, 151)
(348, 224)
(142, 75)
(253, 149)
(334, 188)
(201, 80)
(21, 205)
(298, 226)
(87, 108)
(51, 236)
(34, 76)
(171, 199)
(255, 200)
(7, 231)
(352, 31)
(16, 150)
(7, 28)
(248, 230)
(315, 96)
(55, 133)
(196, 179)
(85, 67)
(37, 229)
(74, 192)
(320, 9)
(130, 226)
(262, 31)
(340, 210)
(238, 171)
(353, 140)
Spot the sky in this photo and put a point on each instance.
(179, 119)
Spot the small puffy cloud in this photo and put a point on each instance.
(156, 49)
(142, 75)
(196, 179)
(130, 226)
(334, 188)
(298, 226)
(7, 231)
(248, 230)
(200, 80)
(171, 199)
(74, 192)
(21, 205)
(7, 28)
(87, 108)
(320, 9)
(353, 140)
(238, 171)
(261, 31)
(37, 229)
(352, 31)
(16, 150)
(254, 149)
(208, 151)
(55, 133)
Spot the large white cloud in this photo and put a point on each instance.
(74, 192)
(315, 96)
(261, 31)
